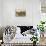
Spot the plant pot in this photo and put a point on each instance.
(34, 43)
(42, 34)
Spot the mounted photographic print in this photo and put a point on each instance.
(20, 13)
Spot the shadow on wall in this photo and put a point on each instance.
(1, 33)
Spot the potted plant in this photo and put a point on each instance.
(41, 27)
(34, 39)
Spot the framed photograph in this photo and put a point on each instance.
(20, 13)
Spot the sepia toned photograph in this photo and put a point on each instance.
(20, 13)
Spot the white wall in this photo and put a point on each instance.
(36, 12)
(32, 8)
(0, 13)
